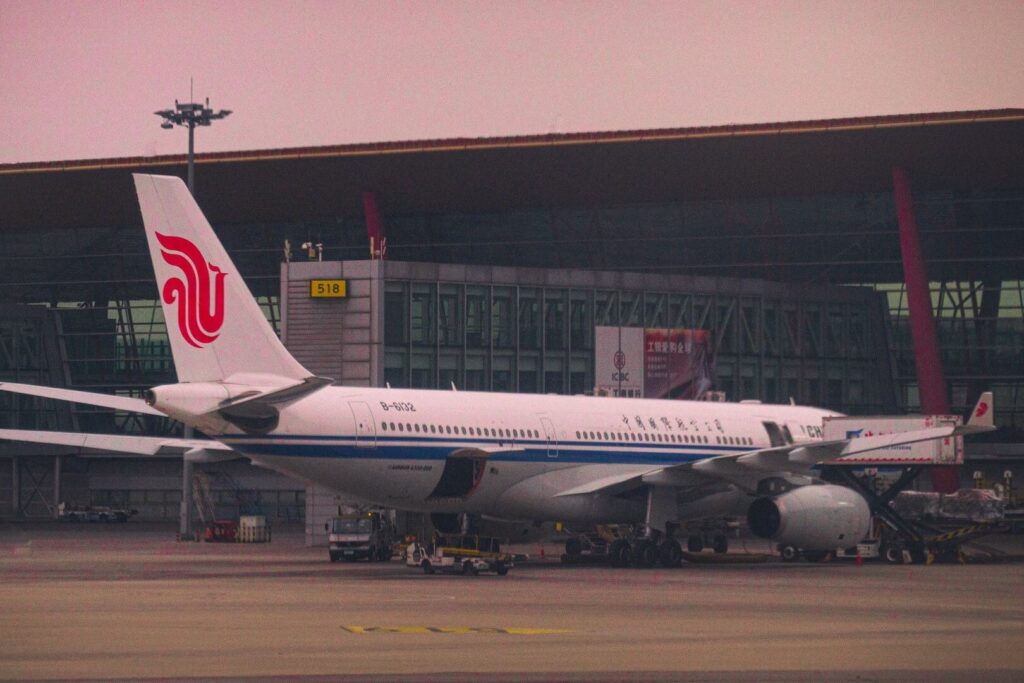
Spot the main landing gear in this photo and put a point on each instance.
(645, 553)
(657, 545)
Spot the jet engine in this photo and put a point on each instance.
(821, 517)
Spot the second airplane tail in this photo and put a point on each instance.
(215, 326)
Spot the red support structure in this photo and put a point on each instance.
(931, 380)
(374, 227)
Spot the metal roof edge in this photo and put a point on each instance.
(531, 141)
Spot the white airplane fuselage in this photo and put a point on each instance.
(391, 446)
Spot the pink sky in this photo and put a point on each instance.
(80, 79)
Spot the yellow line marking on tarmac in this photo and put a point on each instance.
(458, 630)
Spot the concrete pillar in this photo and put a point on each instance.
(57, 462)
(185, 514)
(322, 505)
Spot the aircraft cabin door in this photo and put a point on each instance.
(366, 428)
(549, 434)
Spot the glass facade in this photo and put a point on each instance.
(529, 339)
(110, 332)
(980, 326)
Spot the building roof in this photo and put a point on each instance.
(947, 151)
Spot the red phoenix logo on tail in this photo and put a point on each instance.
(200, 296)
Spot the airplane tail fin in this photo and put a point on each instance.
(216, 328)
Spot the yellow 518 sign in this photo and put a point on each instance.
(327, 289)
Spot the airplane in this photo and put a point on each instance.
(515, 458)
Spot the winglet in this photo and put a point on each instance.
(981, 416)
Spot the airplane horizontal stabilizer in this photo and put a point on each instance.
(126, 403)
(154, 446)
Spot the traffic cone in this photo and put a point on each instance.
(860, 560)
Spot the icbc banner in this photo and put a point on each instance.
(653, 363)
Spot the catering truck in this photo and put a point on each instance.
(364, 535)
(947, 451)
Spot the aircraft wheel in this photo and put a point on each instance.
(645, 554)
(695, 544)
(500, 568)
(721, 544)
(618, 553)
(670, 553)
(468, 569)
(573, 548)
(789, 553)
(893, 553)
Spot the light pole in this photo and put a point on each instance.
(190, 114)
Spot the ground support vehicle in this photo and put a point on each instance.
(868, 549)
(902, 539)
(221, 531)
(467, 555)
(364, 535)
(93, 513)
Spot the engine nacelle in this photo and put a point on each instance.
(822, 517)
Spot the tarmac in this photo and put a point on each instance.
(101, 602)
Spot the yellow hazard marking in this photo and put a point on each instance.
(459, 630)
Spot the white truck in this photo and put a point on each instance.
(948, 451)
(364, 535)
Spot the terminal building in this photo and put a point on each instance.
(492, 264)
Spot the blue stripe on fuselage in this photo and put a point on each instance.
(575, 452)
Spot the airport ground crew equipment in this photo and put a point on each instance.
(93, 513)
(464, 554)
(253, 529)
(903, 540)
(221, 531)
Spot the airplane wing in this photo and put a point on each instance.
(197, 450)
(744, 469)
(133, 405)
